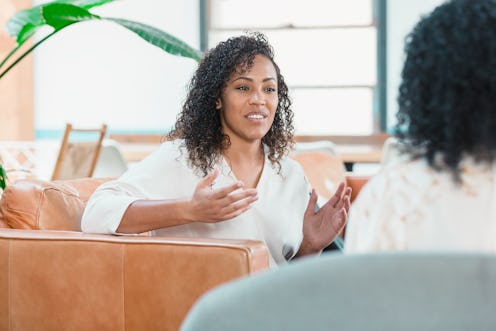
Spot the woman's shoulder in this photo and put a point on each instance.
(403, 172)
(168, 154)
(289, 166)
(172, 150)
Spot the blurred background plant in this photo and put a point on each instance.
(3, 177)
(63, 13)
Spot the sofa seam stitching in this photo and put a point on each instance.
(123, 257)
(10, 286)
(41, 200)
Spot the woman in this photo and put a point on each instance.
(225, 173)
(439, 192)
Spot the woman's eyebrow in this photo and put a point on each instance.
(251, 79)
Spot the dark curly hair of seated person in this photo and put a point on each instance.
(199, 122)
(447, 97)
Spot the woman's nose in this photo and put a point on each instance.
(257, 97)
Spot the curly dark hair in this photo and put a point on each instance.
(199, 122)
(447, 98)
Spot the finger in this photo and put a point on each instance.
(345, 199)
(209, 179)
(334, 200)
(226, 190)
(239, 207)
(347, 204)
(232, 199)
(237, 213)
(237, 196)
(348, 191)
(312, 203)
(341, 220)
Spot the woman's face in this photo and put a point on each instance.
(249, 101)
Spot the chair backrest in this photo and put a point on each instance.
(78, 158)
(324, 146)
(323, 168)
(111, 162)
(396, 291)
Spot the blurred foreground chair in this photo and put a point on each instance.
(78, 156)
(399, 291)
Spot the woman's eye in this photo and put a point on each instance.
(242, 88)
(270, 89)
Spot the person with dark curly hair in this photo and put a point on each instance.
(438, 189)
(225, 173)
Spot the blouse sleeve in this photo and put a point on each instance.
(147, 179)
(106, 207)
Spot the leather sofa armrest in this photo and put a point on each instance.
(356, 182)
(110, 282)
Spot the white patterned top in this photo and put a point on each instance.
(408, 206)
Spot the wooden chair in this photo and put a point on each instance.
(78, 157)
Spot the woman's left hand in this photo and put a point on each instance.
(321, 227)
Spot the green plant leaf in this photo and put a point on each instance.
(160, 39)
(3, 178)
(24, 23)
(86, 4)
(59, 15)
(27, 31)
(62, 13)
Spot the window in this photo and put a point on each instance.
(327, 51)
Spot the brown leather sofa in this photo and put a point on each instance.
(53, 277)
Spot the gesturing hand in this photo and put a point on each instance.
(322, 227)
(207, 205)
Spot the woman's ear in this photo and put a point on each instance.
(218, 104)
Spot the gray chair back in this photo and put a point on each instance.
(388, 291)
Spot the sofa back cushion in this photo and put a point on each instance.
(47, 205)
(3, 225)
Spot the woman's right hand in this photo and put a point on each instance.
(210, 206)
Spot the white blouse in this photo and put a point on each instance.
(408, 206)
(276, 218)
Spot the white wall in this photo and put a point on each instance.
(97, 72)
(402, 17)
(100, 72)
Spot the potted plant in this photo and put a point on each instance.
(63, 13)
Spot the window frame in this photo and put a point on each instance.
(379, 107)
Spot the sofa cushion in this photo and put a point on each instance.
(47, 205)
